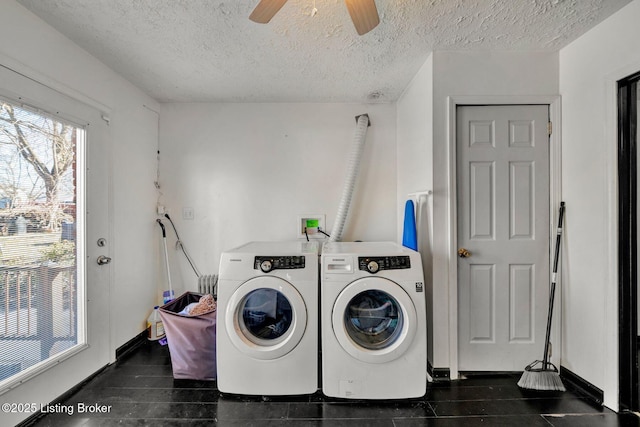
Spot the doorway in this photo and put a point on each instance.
(628, 240)
(54, 331)
(555, 148)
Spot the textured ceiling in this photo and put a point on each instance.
(208, 50)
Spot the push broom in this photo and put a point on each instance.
(546, 377)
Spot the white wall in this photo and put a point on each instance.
(30, 46)
(488, 74)
(415, 171)
(249, 170)
(589, 68)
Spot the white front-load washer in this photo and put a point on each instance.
(267, 319)
(373, 321)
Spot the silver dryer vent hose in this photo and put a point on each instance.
(350, 182)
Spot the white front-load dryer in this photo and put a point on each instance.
(267, 319)
(373, 321)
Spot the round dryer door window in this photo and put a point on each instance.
(266, 317)
(374, 320)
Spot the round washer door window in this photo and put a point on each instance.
(266, 317)
(374, 320)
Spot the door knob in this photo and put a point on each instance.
(463, 253)
(102, 260)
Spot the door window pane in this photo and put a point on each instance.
(38, 269)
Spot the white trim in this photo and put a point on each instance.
(31, 74)
(453, 237)
(555, 194)
(81, 236)
(611, 387)
(41, 367)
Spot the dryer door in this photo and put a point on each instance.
(266, 317)
(374, 320)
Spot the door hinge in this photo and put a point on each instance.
(550, 128)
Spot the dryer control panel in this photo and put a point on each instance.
(270, 263)
(378, 263)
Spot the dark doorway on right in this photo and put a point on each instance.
(628, 241)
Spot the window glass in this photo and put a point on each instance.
(38, 270)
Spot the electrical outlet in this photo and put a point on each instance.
(187, 213)
(313, 224)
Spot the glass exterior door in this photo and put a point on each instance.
(54, 297)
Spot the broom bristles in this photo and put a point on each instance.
(541, 379)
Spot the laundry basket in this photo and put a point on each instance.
(191, 339)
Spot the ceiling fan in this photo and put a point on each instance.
(364, 13)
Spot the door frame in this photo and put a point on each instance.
(627, 108)
(555, 191)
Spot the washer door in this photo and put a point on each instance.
(266, 317)
(374, 320)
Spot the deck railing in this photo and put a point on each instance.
(38, 303)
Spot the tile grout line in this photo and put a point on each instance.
(432, 409)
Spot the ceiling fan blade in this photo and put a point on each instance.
(364, 15)
(265, 10)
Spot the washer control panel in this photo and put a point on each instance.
(377, 263)
(270, 263)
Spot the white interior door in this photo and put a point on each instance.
(83, 303)
(503, 235)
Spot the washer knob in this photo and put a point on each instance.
(266, 266)
(373, 267)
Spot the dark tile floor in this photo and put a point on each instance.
(139, 390)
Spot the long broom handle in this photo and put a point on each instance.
(552, 291)
(166, 254)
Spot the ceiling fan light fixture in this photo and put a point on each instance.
(364, 15)
(265, 10)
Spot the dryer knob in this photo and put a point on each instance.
(373, 267)
(266, 266)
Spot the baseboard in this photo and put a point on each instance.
(582, 386)
(438, 374)
(131, 345)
